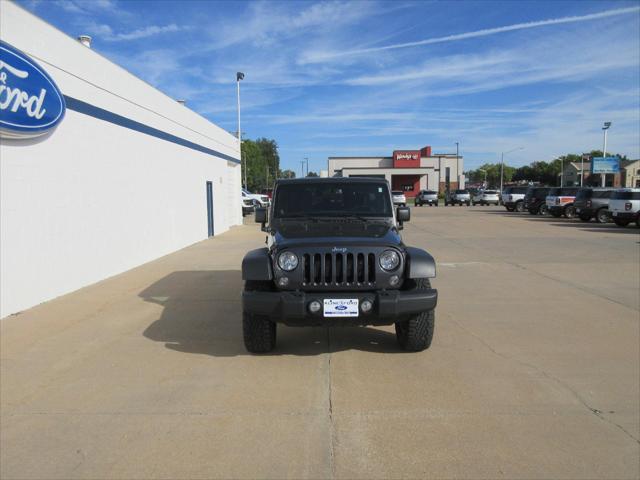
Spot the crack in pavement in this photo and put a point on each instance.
(330, 407)
(576, 395)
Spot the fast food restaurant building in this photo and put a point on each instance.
(406, 170)
(99, 171)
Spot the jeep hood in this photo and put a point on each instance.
(336, 233)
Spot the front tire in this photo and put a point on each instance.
(544, 210)
(585, 218)
(570, 211)
(519, 207)
(602, 216)
(416, 333)
(259, 333)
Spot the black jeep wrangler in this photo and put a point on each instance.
(334, 256)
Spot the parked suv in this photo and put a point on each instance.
(560, 201)
(460, 197)
(534, 200)
(335, 256)
(427, 197)
(593, 202)
(625, 206)
(486, 197)
(263, 200)
(513, 198)
(399, 198)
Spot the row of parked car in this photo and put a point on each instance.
(622, 205)
(456, 197)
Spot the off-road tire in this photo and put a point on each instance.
(620, 222)
(520, 207)
(258, 331)
(602, 216)
(585, 218)
(416, 333)
(543, 209)
(569, 211)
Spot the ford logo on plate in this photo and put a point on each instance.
(341, 307)
(30, 102)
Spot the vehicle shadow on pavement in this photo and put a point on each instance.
(202, 314)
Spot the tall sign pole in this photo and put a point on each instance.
(240, 76)
(604, 149)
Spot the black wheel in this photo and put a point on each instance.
(585, 218)
(620, 222)
(638, 220)
(258, 331)
(436, 204)
(602, 215)
(569, 211)
(416, 333)
(543, 209)
(468, 204)
(519, 207)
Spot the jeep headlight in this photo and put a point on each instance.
(287, 261)
(389, 260)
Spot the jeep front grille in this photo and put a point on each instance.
(339, 269)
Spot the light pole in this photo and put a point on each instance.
(604, 149)
(458, 163)
(502, 166)
(485, 177)
(240, 76)
(306, 159)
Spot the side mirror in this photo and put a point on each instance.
(261, 215)
(403, 214)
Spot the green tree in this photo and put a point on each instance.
(312, 174)
(287, 174)
(262, 162)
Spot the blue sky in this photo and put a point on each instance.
(364, 78)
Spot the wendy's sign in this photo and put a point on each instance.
(406, 159)
(30, 102)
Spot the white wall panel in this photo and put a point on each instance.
(94, 199)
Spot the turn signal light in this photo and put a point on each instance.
(627, 206)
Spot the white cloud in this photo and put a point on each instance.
(106, 32)
(317, 57)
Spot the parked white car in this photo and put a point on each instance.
(399, 198)
(625, 206)
(486, 197)
(263, 200)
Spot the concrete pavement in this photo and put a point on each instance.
(534, 370)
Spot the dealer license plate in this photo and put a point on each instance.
(340, 307)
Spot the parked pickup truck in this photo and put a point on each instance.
(334, 256)
(560, 201)
(459, 197)
(513, 198)
(593, 203)
(427, 197)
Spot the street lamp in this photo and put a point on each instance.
(502, 166)
(307, 160)
(604, 149)
(240, 76)
(458, 163)
(485, 176)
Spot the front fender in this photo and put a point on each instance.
(420, 264)
(256, 265)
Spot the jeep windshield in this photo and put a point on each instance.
(328, 199)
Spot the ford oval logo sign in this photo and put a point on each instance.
(341, 307)
(30, 102)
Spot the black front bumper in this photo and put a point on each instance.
(624, 215)
(291, 308)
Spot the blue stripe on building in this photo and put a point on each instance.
(102, 114)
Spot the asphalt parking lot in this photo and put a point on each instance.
(534, 371)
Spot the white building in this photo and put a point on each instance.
(407, 170)
(128, 175)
